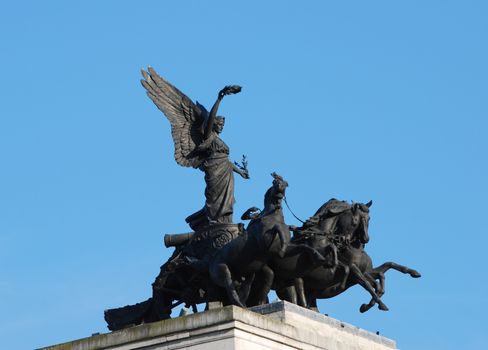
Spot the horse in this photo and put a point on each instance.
(350, 230)
(266, 236)
(332, 226)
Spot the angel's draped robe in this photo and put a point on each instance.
(219, 191)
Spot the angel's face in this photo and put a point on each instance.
(219, 124)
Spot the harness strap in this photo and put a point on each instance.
(291, 211)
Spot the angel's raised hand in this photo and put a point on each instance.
(230, 89)
(221, 93)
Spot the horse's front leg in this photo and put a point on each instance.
(392, 265)
(366, 307)
(267, 281)
(284, 238)
(288, 294)
(245, 288)
(311, 300)
(380, 276)
(222, 276)
(347, 272)
(335, 255)
(363, 281)
(300, 289)
(376, 285)
(380, 289)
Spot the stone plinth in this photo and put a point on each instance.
(279, 325)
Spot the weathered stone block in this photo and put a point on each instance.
(279, 325)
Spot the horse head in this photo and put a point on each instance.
(360, 214)
(275, 194)
(351, 225)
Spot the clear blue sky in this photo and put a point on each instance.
(359, 100)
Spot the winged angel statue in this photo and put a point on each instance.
(197, 143)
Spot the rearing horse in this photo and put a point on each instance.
(332, 227)
(266, 236)
(350, 230)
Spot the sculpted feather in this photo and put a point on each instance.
(185, 117)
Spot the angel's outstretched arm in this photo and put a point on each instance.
(213, 114)
(243, 172)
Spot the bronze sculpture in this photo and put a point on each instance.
(346, 225)
(197, 144)
(221, 262)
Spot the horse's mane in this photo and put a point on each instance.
(332, 206)
(267, 196)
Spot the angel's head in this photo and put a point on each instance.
(219, 124)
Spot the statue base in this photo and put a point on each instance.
(279, 325)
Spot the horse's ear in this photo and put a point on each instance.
(277, 177)
(369, 203)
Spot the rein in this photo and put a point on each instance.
(291, 211)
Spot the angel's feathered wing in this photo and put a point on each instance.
(185, 117)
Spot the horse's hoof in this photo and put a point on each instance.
(236, 300)
(363, 308)
(383, 307)
(415, 274)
